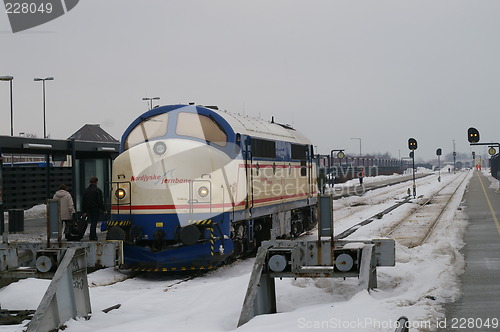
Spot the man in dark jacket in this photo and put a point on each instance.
(92, 204)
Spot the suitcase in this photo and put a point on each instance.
(77, 228)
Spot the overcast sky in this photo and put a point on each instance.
(382, 71)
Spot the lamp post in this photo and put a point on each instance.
(10, 79)
(151, 101)
(44, 121)
(359, 144)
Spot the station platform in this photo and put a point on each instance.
(479, 304)
(35, 229)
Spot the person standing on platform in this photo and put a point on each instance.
(361, 175)
(67, 207)
(92, 205)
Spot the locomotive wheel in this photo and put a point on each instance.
(239, 248)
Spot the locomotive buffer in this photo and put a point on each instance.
(313, 259)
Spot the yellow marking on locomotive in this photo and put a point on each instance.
(119, 223)
(165, 269)
(159, 224)
(212, 241)
(200, 222)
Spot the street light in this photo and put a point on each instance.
(151, 101)
(44, 122)
(359, 144)
(10, 78)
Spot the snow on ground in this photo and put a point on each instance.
(423, 279)
(36, 212)
(494, 183)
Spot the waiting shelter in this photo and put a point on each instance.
(25, 182)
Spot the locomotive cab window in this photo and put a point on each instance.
(200, 126)
(299, 152)
(263, 148)
(155, 126)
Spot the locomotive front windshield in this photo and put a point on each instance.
(188, 124)
(155, 126)
(200, 126)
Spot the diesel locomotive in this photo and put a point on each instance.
(194, 186)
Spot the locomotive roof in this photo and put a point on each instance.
(261, 128)
(241, 124)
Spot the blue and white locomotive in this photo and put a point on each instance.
(194, 186)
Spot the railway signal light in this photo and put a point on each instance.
(412, 144)
(473, 135)
(439, 152)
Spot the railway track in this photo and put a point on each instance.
(386, 192)
(414, 229)
(423, 216)
(356, 190)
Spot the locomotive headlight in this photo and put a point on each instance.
(120, 193)
(160, 148)
(203, 191)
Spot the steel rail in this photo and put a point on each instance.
(428, 230)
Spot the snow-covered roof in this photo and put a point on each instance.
(261, 128)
